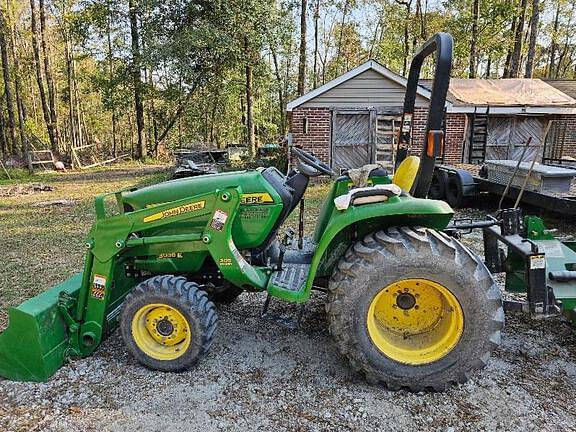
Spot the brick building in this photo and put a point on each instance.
(353, 119)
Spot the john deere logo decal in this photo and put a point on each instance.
(256, 198)
(187, 208)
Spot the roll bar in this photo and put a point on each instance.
(441, 44)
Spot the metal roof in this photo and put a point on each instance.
(503, 96)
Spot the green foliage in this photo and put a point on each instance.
(266, 157)
(14, 175)
(194, 55)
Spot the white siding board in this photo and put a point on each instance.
(366, 89)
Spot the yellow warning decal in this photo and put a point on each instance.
(187, 208)
(256, 198)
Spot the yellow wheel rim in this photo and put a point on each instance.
(161, 331)
(415, 321)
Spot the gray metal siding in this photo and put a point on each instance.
(367, 89)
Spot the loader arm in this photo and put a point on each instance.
(71, 319)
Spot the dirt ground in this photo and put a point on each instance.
(258, 376)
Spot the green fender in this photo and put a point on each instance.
(397, 211)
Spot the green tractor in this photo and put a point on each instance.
(408, 305)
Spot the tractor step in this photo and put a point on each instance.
(287, 284)
(291, 323)
(292, 277)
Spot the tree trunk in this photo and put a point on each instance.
(249, 101)
(71, 121)
(421, 14)
(213, 113)
(152, 114)
(506, 73)
(302, 61)
(408, 5)
(280, 91)
(39, 77)
(566, 48)
(19, 95)
(373, 41)
(517, 51)
(140, 150)
(339, 50)
(533, 38)
(3, 138)
(111, 75)
(316, 18)
(475, 17)
(554, 44)
(81, 128)
(49, 82)
(12, 146)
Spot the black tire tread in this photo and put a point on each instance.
(388, 243)
(191, 298)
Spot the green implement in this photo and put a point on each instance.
(35, 344)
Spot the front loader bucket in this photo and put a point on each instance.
(32, 347)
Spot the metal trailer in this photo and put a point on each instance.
(459, 185)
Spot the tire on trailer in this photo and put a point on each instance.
(168, 323)
(413, 308)
(438, 185)
(455, 191)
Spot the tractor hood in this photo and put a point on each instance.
(256, 190)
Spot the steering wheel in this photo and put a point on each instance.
(310, 165)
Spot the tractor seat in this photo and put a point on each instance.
(367, 195)
(406, 173)
(291, 189)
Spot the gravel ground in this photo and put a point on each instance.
(258, 376)
(261, 377)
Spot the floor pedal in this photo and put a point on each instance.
(292, 323)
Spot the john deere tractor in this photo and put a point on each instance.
(407, 305)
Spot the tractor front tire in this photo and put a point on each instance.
(414, 308)
(168, 323)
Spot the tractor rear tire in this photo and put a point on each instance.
(385, 338)
(168, 323)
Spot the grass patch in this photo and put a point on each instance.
(42, 246)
